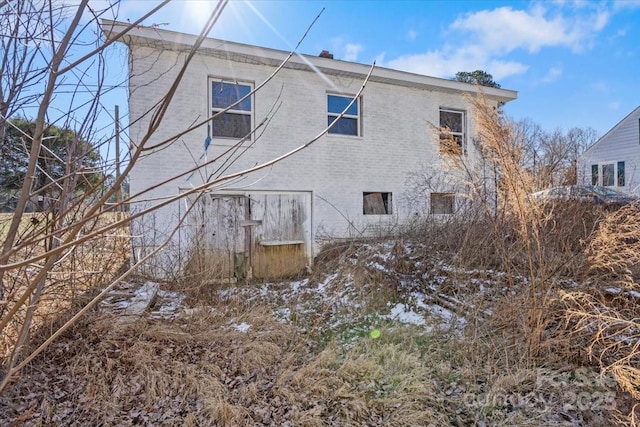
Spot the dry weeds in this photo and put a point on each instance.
(79, 271)
(299, 354)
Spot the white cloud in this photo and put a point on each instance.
(351, 51)
(626, 4)
(504, 29)
(412, 34)
(345, 50)
(553, 74)
(484, 39)
(439, 64)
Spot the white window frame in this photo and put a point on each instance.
(463, 134)
(616, 173)
(357, 117)
(213, 110)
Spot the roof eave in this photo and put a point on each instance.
(140, 35)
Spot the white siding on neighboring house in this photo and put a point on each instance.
(355, 176)
(614, 160)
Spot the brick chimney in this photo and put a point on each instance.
(326, 54)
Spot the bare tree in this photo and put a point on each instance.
(37, 260)
(551, 156)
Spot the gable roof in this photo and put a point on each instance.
(612, 130)
(172, 40)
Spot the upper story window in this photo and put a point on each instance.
(349, 124)
(452, 124)
(237, 122)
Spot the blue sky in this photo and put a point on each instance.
(573, 63)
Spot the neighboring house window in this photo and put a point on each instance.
(442, 203)
(620, 174)
(608, 174)
(237, 122)
(376, 203)
(349, 124)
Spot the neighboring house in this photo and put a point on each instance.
(614, 159)
(352, 182)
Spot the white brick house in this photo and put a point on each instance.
(351, 182)
(614, 159)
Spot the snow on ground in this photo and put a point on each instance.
(428, 293)
(404, 314)
(242, 327)
(342, 302)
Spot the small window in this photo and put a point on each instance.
(376, 203)
(442, 203)
(237, 122)
(349, 124)
(452, 128)
(620, 174)
(608, 175)
(594, 174)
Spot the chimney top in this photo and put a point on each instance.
(326, 54)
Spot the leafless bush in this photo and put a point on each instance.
(602, 317)
(614, 250)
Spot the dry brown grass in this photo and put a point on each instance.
(229, 360)
(79, 271)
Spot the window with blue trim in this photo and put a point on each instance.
(237, 121)
(349, 123)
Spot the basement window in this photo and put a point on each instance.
(375, 203)
(442, 203)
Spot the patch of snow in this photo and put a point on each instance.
(282, 314)
(297, 285)
(327, 281)
(634, 294)
(242, 327)
(400, 313)
(378, 266)
(170, 307)
(141, 299)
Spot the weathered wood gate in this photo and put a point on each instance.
(257, 234)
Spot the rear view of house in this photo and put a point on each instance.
(614, 160)
(351, 182)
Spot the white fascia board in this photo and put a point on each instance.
(140, 35)
(610, 131)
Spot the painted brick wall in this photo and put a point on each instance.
(398, 139)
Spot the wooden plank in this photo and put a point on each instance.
(273, 262)
(373, 204)
(281, 242)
